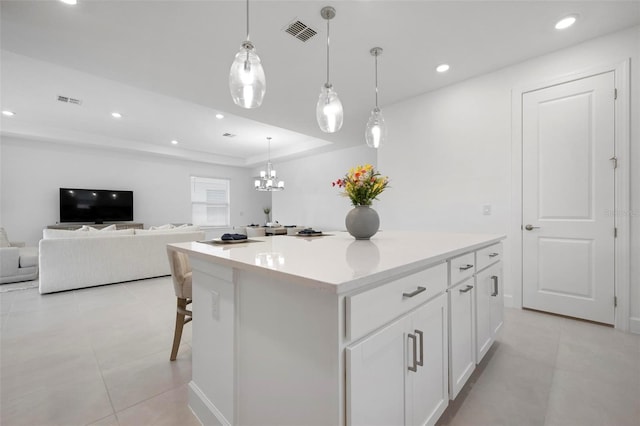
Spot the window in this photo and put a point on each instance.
(210, 201)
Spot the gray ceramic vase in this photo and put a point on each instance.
(362, 222)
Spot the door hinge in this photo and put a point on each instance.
(615, 161)
(615, 301)
(615, 94)
(615, 232)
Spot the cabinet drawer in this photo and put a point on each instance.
(371, 309)
(488, 256)
(461, 268)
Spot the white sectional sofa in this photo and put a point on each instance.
(77, 259)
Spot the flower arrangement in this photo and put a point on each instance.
(362, 185)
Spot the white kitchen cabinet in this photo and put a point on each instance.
(398, 375)
(462, 348)
(489, 307)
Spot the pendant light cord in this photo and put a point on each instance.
(376, 58)
(328, 52)
(247, 20)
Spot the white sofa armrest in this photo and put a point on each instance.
(9, 260)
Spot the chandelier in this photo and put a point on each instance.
(268, 178)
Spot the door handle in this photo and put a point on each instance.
(420, 361)
(466, 289)
(413, 367)
(531, 227)
(495, 285)
(494, 254)
(465, 267)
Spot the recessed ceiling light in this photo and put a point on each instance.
(116, 115)
(442, 68)
(174, 142)
(219, 116)
(71, 2)
(566, 22)
(8, 113)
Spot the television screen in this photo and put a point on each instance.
(95, 205)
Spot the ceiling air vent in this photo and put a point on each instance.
(300, 30)
(229, 135)
(69, 100)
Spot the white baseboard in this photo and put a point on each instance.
(634, 325)
(204, 410)
(508, 301)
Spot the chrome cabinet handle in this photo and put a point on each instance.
(494, 254)
(531, 227)
(415, 292)
(413, 367)
(420, 362)
(495, 285)
(465, 267)
(466, 289)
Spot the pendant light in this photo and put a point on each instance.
(329, 111)
(376, 132)
(268, 178)
(246, 77)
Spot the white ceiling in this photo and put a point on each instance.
(164, 65)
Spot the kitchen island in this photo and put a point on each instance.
(328, 330)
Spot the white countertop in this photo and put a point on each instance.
(336, 261)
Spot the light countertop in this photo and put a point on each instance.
(337, 262)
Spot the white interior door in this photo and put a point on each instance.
(568, 198)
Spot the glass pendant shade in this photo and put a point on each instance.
(247, 82)
(329, 112)
(376, 131)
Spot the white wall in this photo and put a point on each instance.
(309, 199)
(32, 171)
(449, 151)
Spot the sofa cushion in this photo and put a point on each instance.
(176, 230)
(63, 233)
(4, 240)
(28, 256)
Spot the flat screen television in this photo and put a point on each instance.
(95, 205)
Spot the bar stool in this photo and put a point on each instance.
(181, 275)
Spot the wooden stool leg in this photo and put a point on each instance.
(177, 335)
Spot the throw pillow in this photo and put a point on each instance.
(161, 227)
(4, 239)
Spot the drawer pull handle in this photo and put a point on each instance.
(495, 285)
(413, 367)
(420, 362)
(466, 289)
(465, 267)
(494, 254)
(415, 292)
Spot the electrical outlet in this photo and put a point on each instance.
(486, 209)
(215, 305)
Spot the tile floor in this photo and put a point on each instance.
(99, 356)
